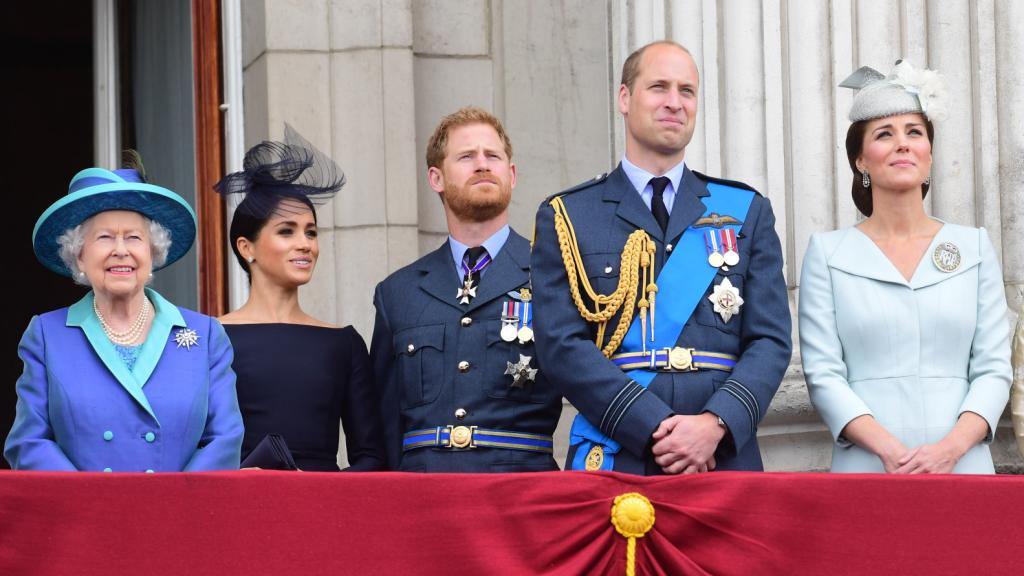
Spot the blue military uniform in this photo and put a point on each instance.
(448, 403)
(756, 337)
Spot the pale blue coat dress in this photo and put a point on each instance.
(915, 355)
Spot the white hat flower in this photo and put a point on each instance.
(928, 85)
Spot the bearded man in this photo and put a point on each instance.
(452, 350)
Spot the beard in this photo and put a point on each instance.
(481, 205)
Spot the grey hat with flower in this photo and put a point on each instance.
(905, 90)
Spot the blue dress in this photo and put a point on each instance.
(299, 381)
(915, 354)
(81, 407)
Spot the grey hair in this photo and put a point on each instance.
(72, 240)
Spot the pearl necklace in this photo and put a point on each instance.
(133, 332)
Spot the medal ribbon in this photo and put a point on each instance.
(511, 312)
(478, 267)
(729, 239)
(711, 241)
(526, 320)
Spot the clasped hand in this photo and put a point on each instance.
(686, 444)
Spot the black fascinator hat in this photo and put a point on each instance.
(273, 172)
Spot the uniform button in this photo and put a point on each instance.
(410, 348)
(150, 436)
(460, 413)
(463, 366)
(607, 269)
(107, 470)
(668, 248)
(466, 321)
(108, 435)
(149, 470)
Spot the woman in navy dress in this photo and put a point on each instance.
(297, 376)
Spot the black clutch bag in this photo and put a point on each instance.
(270, 454)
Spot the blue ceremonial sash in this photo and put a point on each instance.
(682, 282)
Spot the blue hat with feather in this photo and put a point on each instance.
(96, 190)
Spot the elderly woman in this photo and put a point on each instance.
(903, 328)
(122, 380)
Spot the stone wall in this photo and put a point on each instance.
(367, 81)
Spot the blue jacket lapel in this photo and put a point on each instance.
(440, 278)
(509, 270)
(928, 273)
(856, 254)
(859, 255)
(167, 317)
(687, 207)
(631, 206)
(81, 314)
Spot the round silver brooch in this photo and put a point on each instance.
(946, 257)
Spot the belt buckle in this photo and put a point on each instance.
(681, 360)
(460, 437)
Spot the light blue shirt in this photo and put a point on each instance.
(492, 244)
(641, 180)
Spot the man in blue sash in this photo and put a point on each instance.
(452, 350)
(661, 310)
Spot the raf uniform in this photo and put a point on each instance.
(733, 357)
(457, 395)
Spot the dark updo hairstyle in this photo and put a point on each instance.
(250, 218)
(274, 173)
(854, 148)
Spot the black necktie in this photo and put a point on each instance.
(658, 201)
(472, 257)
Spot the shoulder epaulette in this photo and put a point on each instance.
(582, 186)
(724, 182)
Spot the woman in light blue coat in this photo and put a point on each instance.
(903, 330)
(123, 380)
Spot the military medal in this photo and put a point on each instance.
(521, 372)
(946, 257)
(732, 255)
(509, 320)
(711, 241)
(526, 323)
(468, 290)
(727, 300)
(525, 332)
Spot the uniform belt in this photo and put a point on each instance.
(468, 437)
(675, 360)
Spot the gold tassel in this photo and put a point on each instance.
(632, 516)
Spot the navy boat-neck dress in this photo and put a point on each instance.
(299, 381)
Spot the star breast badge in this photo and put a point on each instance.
(727, 300)
(521, 372)
(186, 337)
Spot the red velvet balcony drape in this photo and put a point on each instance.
(309, 523)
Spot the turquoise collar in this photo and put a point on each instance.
(166, 316)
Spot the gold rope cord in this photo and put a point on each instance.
(637, 257)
